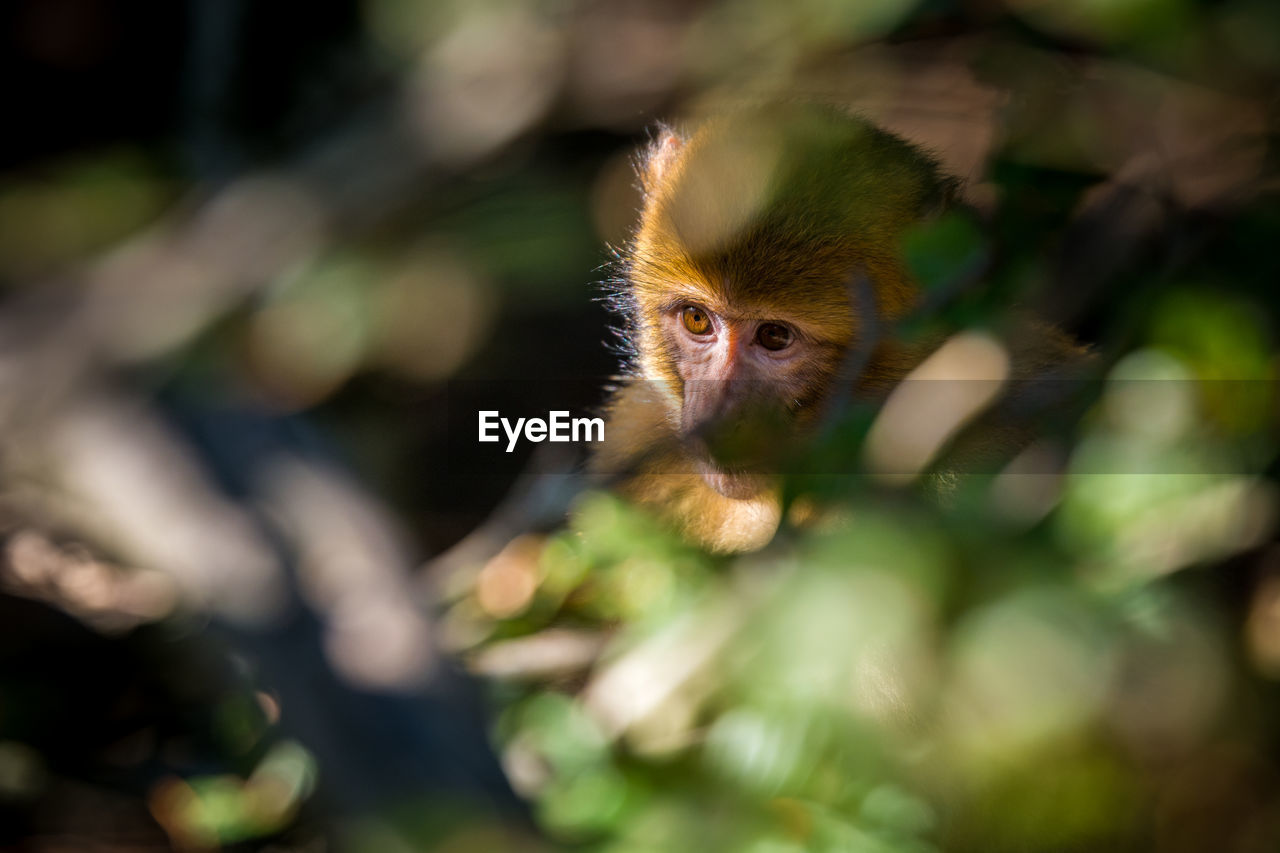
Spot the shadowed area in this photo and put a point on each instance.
(262, 587)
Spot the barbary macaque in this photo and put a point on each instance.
(740, 293)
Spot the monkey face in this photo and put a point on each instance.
(746, 382)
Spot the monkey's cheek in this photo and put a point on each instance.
(737, 485)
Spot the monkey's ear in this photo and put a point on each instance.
(657, 158)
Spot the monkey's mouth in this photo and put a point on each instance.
(736, 457)
(736, 483)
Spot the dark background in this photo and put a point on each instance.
(258, 262)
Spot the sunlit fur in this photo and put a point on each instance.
(762, 214)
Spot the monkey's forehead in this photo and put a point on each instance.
(754, 263)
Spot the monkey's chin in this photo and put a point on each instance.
(738, 485)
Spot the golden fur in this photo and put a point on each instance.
(763, 213)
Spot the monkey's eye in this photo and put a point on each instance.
(697, 321)
(773, 336)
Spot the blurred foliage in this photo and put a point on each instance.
(1033, 663)
(75, 209)
(1076, 652)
